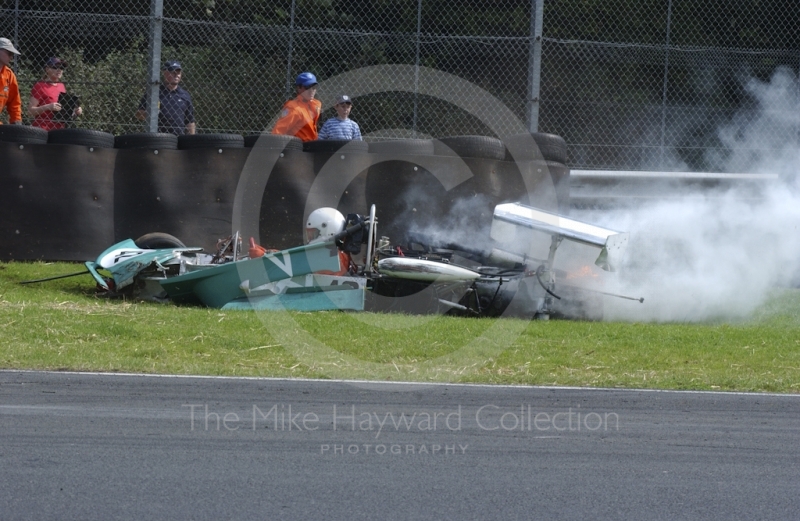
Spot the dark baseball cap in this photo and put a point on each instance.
(344, 98)
(56, 63)
(172, 66)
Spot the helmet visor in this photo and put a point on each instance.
(312, 234)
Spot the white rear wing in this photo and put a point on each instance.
(520, 230)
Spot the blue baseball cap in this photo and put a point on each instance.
(172, 66)
(306, 79)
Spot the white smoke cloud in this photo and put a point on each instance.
(705, 254)
(773, 125)
(718, 255)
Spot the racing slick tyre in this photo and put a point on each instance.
(550, 147)
(483, 147)
(333, 145)
(153, 141)
(23, 135)
(273, 142)
(80, 136)
(194, 141)
(156, 240)
(408, 147)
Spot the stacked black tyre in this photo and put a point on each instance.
(472, 200)
(273, 188)
(149, 141)
(273, 142)
(421, 186)
(535, 146)
(340, 173)
(57, 193)
(82, 137)
(180, 185)
(540, 159)
(23, 135)
(479, 147)
(206, 141)
(330, 146)
(401, 184)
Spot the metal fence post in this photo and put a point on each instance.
(154, 63)
(664, 89)
(416, 68)
(16, 34)
(535, 64)
(289, 82)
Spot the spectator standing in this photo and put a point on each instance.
(175, 108)
(300, 115)
(44, 104)
(9, 89)
(341, 126)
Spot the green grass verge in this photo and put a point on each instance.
(61, 325)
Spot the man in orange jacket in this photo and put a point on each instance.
(9, 90)
(300, 115)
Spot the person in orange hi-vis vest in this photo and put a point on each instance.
(300, 115)
(9, 89)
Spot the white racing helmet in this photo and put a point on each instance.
(323, 223)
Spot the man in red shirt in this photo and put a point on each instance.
(300, 115)
(9, 90)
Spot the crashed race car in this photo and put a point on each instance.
(346, 265)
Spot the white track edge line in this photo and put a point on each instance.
(402, 383)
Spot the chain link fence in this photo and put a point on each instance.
(629, 84)
(649, 84)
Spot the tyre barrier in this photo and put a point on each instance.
(23, 135)
(539, 183)
(549, 147)
(330, 146)
(483, 147)
(408, 147)
(187, 194)
(340, 175)
(57, 202)
(408, 192)
(402, 183)
(219, 141)
(151, 141)
(559, 175)
(280, 198)
(273, 142)
(80, 136)
(61, 201)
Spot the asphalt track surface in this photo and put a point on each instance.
(86, 447)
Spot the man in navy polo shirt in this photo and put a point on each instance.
(175, 109)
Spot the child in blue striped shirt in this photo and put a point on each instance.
(341, 127)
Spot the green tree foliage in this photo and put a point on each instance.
(109, 88)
